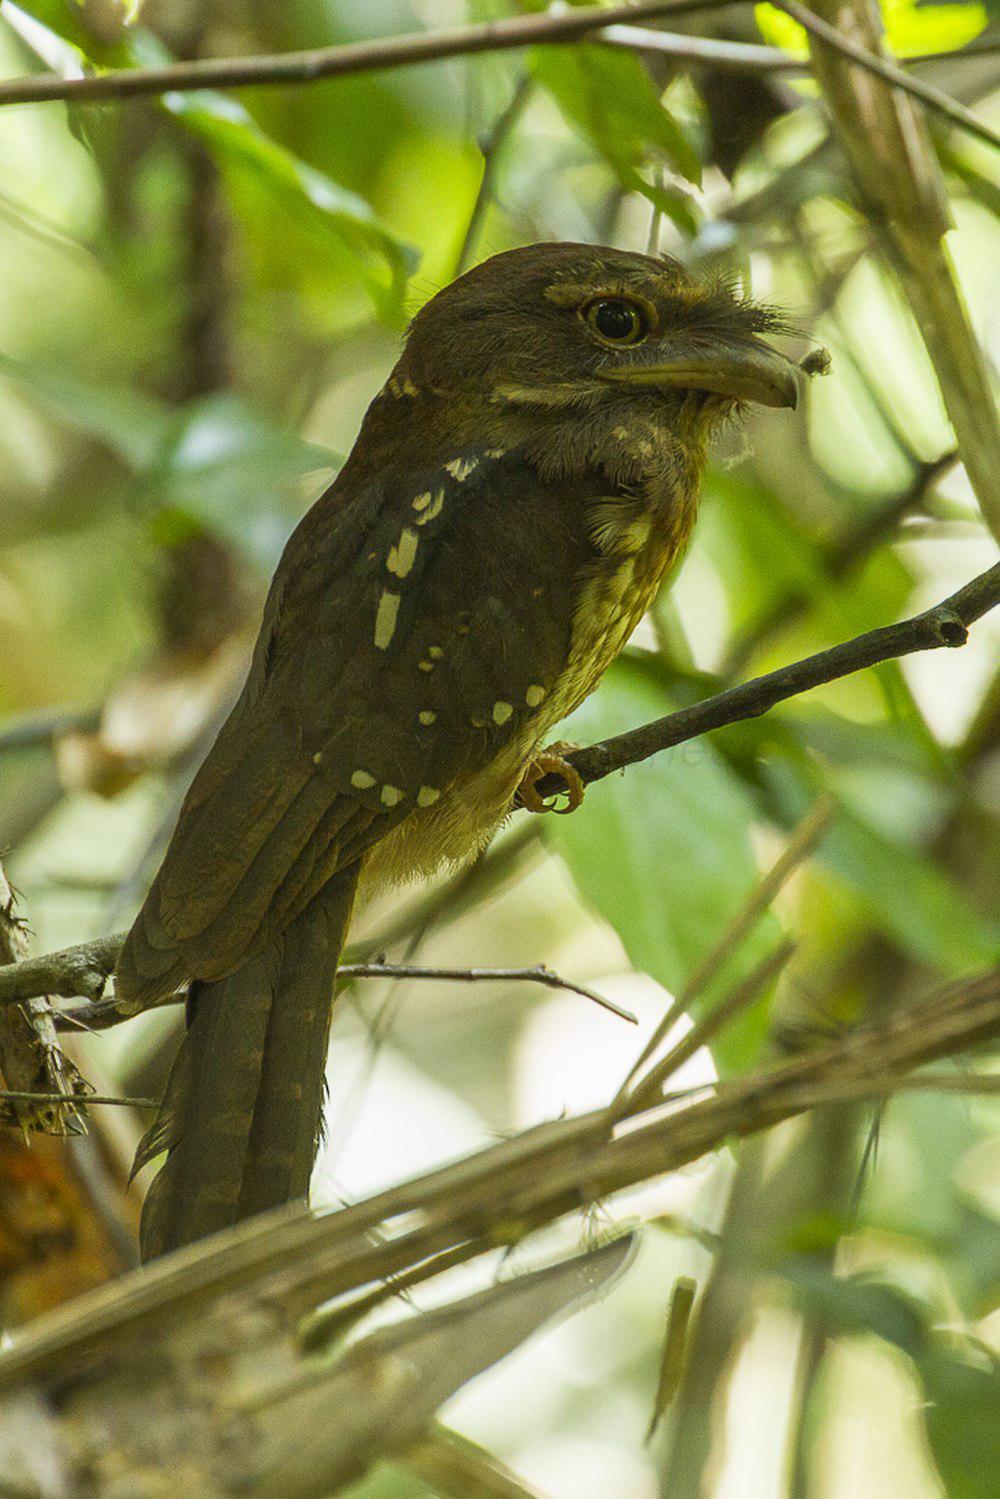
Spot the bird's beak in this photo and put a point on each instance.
(744, 369)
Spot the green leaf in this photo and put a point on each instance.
(297, 189)
(663, 853)
(130, 424)
(904, 891)
(609, 97)
(963, 1399)
(224, 468)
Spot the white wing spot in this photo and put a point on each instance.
(495, 452)
(421, 501)
(401, 556)
(534, 695)
(426, 665)
(427, 796)
(390, 795)
(461, 468)
(361, 780)
(430, 507)
(427, 717)
(435, 652)
(502, 711)
(385, 618)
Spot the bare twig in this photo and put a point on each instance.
(23, 1095)
(340, 62)
(946, 624)
(30, 729)
(648, 1089)
(85, 970)
(843, 557)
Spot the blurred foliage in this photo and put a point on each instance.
(198, 297)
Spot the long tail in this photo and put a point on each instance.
(241, 1115)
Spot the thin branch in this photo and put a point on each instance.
(431, 46)
(85, 970)
(78, 1100)
(928, 94)
(946, 624)
(648, 1090)
(339, 62)
(752, 57)
(30, 729)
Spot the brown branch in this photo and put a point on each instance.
(432, 46)
(946, 624)
(503, 1193)
(85, 970)
(339, 62)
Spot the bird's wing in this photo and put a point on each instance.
(407, 634)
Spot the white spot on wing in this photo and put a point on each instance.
(534, 695)
(429, 506)
(502, 711)
(390, 795)
(361, 780)
(402, 555)
(427, 796)
(461, 468)
(427, 717)
(385, 619)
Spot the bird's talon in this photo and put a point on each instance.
(551, 762)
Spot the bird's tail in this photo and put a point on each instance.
(240, 1118)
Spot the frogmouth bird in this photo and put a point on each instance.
(518, 491)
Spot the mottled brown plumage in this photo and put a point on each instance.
(518, 490)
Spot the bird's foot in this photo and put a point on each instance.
(551, 761)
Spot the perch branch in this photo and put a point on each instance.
(946, 624)
(84, 970)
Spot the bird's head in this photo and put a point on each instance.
(562, 325)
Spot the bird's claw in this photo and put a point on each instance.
(551, 761)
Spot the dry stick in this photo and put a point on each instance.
(507, 1190)
(946, 624)
(28, 730)
(418, 47)
(85, 970)
(752, 57)
(15, 1095)
(798, 848)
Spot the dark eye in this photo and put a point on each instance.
(617, 321)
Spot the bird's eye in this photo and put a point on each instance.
(617, 321)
